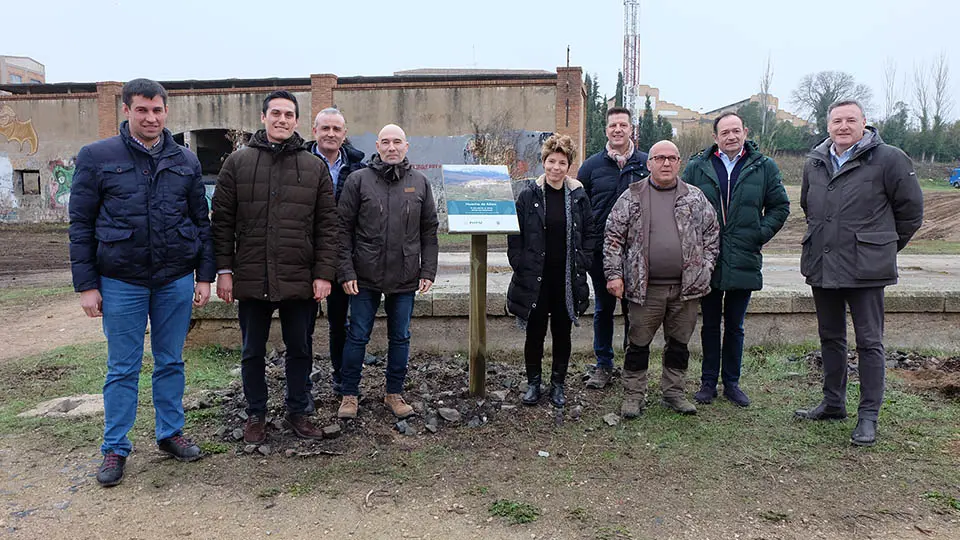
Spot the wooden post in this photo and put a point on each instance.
(478, 315)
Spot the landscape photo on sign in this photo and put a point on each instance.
(479, 199)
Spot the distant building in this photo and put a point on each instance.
(21, 70)
(683, 119)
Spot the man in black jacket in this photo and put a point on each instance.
(389, 248)
(139, 232)
(605, 176)
(331, 145)
(863, 204)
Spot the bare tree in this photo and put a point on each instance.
(817, 91)
(890, 94)
(766, 80)
(942, 102)
(921, 95)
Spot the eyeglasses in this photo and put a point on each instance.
(667, 159)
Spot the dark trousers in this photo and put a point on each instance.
(603, 307)
(550, 307)
(337, 304)
(866, 309)
(297, 321)
(730, 308)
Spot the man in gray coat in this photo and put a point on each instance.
(863, 204)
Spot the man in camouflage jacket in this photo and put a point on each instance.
(660, 247)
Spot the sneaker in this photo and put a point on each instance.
(398, 406)
(302, 426)
(733, 393)
(348, 407)
(110, 472)
(600, 378)
(181, 448)
(255, 430)
(706, 394)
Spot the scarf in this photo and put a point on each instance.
(621, 159)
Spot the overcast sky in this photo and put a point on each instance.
(698, 53)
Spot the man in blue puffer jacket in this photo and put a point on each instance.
(139, 231)
(605, 176)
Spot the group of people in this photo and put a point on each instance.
(298, 222)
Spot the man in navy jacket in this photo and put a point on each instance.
(605, 176)
(139, 231)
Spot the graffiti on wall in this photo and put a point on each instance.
(8, 197)
(18, 131)
(61, 183)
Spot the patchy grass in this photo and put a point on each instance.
(461, 242)
(932, 247)
(210, 447)
(209, 367)
(9, 297)
(936, 184)
(947, 500)
(517, 513)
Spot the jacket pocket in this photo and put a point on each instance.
(190, 235)
(806, 253)
(877, 255)
(113, 250)
(411, 262)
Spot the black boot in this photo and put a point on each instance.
(532, 395)
(556, 395)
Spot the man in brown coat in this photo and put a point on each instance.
(275, 236)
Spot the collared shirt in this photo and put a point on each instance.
(839, 160)
(335, 167)
(731, 163)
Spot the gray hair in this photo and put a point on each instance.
(330, 111)
(843, 103)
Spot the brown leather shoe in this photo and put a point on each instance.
(398, 406)
(255, 430)
(302, 426)
(348, 407)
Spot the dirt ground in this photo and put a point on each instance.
(375, 482)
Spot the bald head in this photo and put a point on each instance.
(392, 144)
(664, 163)
(663, 145)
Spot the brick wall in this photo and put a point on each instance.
(107, 95)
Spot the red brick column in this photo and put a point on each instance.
(321, 88)
(571, 96)
(107, 121)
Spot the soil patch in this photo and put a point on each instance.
(921, 372)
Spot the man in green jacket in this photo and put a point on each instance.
(746, 190)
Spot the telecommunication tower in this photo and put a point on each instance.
(631, 54)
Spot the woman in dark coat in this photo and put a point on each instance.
(550, 258)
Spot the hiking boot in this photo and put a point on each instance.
(533, 393)
(398, 406)
(348, 407)
(865, 434)
(110, 472)
(255, 430)
(733, 393)
(302, 427)
(634, 393)
(678, 404)
(706, 394)
(672, 382)
(557, 396)
(600, 378)
(180, 447)
(822, 412)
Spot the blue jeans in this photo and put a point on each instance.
(603, 307)
(363, 310)
(731, 306)
(126, 309)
